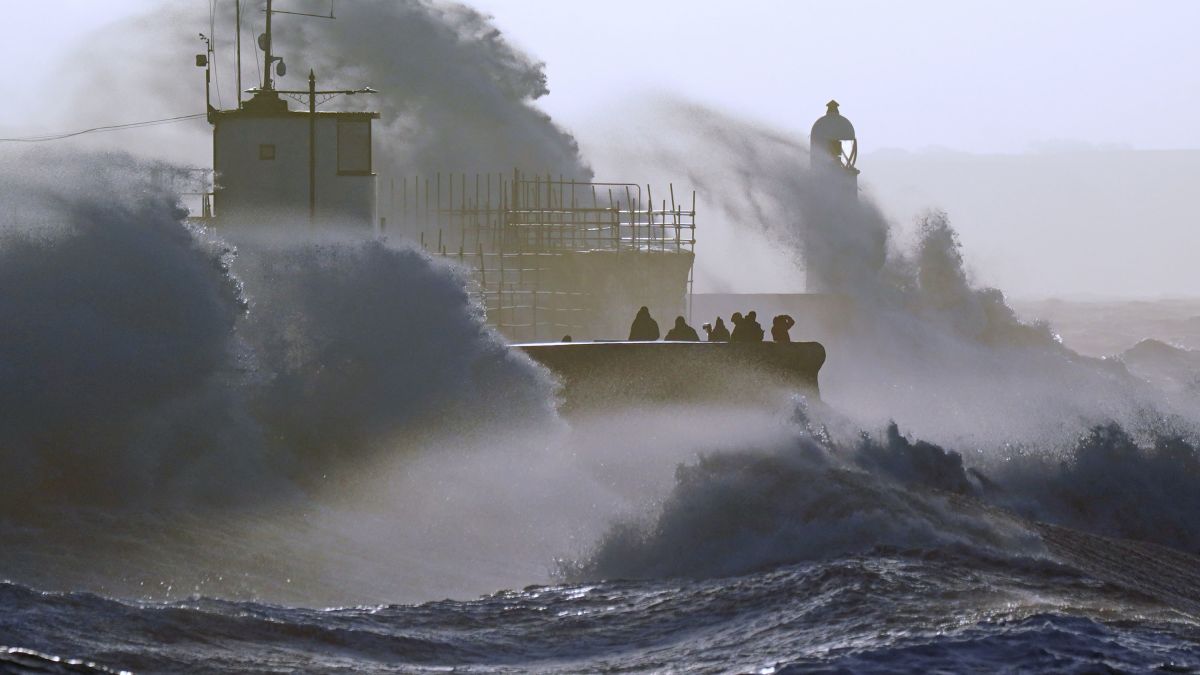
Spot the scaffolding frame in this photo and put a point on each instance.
(511, 230)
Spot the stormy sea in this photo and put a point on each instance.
(248, 450)
(275, 453)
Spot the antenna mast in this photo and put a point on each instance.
(237, 4)
(205, 61)
(266, 44)
(268, 62)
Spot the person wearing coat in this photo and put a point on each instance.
(780, 326)
(682, 332)
(644, 328)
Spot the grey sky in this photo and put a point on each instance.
(974, 76)
(977, 76)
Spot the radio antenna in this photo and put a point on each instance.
(264, 42)
(237, 5)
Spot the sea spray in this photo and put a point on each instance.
(819, 491)
(313, 414)
(806, 497)
(916, 341)
(117, 325)
(1010, 416)
(134, 370)
(360, 345)
(160, 397)
(1111, 482)
(454, 94)
(309, 323)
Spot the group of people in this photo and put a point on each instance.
(745, 329)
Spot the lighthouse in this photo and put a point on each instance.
(834, 149)
(833, 153)
(275, 166)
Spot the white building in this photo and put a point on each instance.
(282, 167)
(285, 167)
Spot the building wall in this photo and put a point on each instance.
(592, 295)
(250, 189)
(620, 283)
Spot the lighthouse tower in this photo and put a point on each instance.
(287, 168)
(834, 149)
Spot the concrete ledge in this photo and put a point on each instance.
(600, 373)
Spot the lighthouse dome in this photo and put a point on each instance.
(832, 126)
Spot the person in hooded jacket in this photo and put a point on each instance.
(780, 326)
(644, 328)
(682, 332)
(739, 333)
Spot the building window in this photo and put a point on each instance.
(354, 147)
(266, 151)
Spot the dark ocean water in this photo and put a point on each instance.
(989, 592)
(889, 611)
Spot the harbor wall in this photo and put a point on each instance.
(600, 374)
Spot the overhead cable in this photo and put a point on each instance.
(110, 127)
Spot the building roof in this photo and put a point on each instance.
(269, 105)
(259, 114)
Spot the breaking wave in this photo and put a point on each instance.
(356, 344)
(159, 366)
(1017, 428)
(453, 92)
(144, 366)
(743, 512)
(820, 495)
(118, 320)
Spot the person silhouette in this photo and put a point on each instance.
(644, 328)
(719, 333)
(739, 328)
(780, 326)
(754, 329)
(682, 332)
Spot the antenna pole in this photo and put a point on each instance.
(268, 81)
(312, 147)
(237, 4)
(207, 59)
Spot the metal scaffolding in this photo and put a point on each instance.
(515, 233)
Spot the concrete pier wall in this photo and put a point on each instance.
(599, 374)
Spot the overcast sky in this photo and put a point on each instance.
(1010, 76)
(974, 76)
